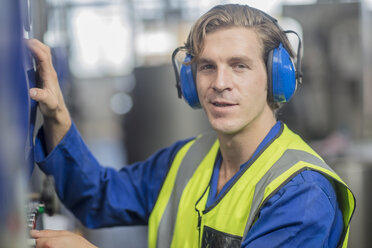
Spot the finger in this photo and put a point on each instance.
(44, 243)
(31, 242)
(45, 67)
(41, 51)
(36, 45)
(38, 234)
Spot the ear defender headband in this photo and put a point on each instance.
(185, 84)
(282, 74)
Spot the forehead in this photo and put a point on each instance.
(232, 42)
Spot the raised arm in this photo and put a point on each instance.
(57, 119)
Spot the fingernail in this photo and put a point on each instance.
(31, 242)
(33, 92)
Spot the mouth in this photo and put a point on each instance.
(223, 104)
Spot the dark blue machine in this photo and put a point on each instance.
(17, 120)
(19, 74)
(29, 68)
(17, 110)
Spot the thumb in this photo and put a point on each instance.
(35, 233)
(48, 233)
(48, 103)
(37, 94)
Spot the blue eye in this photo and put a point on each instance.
(206, 67)
(240, 66)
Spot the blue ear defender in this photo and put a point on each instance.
(281, 75)
(185, 84)
(188, 86)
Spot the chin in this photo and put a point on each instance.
(226, 127)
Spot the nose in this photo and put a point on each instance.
(222, 80)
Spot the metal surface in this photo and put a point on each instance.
(331, 96)
(357, 174)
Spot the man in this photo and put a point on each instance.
(252, 183)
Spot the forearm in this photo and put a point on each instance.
(75, 170)
(55, 128)
(101, 196)
(89, 190)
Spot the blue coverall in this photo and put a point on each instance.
(303, 213)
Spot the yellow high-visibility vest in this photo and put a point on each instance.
(180, 217)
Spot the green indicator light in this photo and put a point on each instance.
(41, 210)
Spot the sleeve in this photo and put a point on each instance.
(304, 213)
(102, 196)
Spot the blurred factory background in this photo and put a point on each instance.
(113, 62)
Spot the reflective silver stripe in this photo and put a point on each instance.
(189, 164)
(289, 158)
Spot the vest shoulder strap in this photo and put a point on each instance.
(287, 162)
(188, 166)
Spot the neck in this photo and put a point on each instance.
(238, 148)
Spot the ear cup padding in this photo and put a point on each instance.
(188, 86)
(269, 66)
(283, 75)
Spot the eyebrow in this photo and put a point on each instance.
(242, 58)
(204, 61)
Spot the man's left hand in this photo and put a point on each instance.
(59, 239)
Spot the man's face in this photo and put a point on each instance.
(231, 79)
